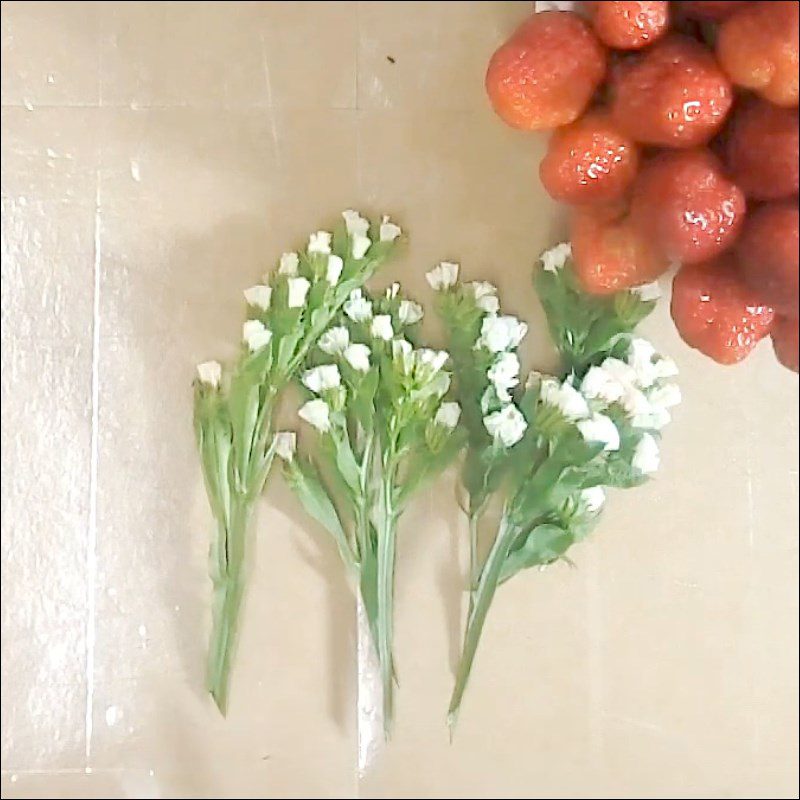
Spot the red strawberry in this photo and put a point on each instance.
(762, 150)
(784, 342)
(710, 9)
(546, 73)
(610, 255)
(717, 313)
(769, 255)
(758, 48)
(685, 203)
(674, 95)
(630, 25)
(589, 161)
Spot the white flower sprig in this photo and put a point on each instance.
(377, 403)
(287, 313)
(550, 448)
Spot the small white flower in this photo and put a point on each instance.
(621, 372)
(646, 457)
(356, 224)
(360, 246)
(565, 397)
(357, 307)
(448, 415)
(489, 304)
(637, 406)
(392, 291)
(321, 378)
(504, 375)
(357, 356)
(255, 335)
(409, 312)
(334, 270)
(443, 276)
(334, 340)
(507, 425)
(381, 327)
(647, 292)
(665, 368)
(593, 499)
(298, 289)
(210, 373)
(389, 231)
(555, 258)
(640, 359)
(600, 428)
(319, 242)
(285, 444)
(316, 413)
(258, 296)
(403, 354)
(501, 333)
(289, 264)
(665, 396)
(433, 359)
(483, 289)
(599, 384)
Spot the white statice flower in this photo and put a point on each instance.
(599, 428)
(565, 397)
(409, 312)
(388, 230)
(357, 356)
(298, 289)
(289, 264)
(646, 456)
(640, 359)
(356, 224)
(665, 368)
(334, 340)
(447, 415)
(316, 413)
(360, 245)
(637, 406)
(381, 327)
(334, 269)
(258, 296)
(403, 354)
(506, 426)
(555, 258)
(666, 395)
(593, 499)
(357, 307)
(647, 292)
(319, 243)
(443, 276)
(621, 372)
(501, 333)
(599, 384)
(255, 335)
(504, 375)
(285, 444)
(392, 291)
(210, 373)
(489, 304)
(319, 379)
(433, 360)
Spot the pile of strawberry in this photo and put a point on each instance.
(675, 142)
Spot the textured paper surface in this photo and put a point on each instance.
(156, 158)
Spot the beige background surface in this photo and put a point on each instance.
(155, 158)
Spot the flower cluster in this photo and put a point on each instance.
(377, 399)
(287, 312)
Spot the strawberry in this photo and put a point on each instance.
(717, 313)
(630, 25)
(546, 73)
(714, 10)
(758, 48)
(768, 253)
(674, 95)
(589, 161)
(762, 150)
(685, 203)
(784, 342)
(610, 255)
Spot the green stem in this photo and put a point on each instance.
(474, 565)
(385, 581)
(484, 594)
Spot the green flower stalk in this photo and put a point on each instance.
(233, 413)
(546, 451)
(377, 402)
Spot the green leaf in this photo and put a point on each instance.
(543, 545)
